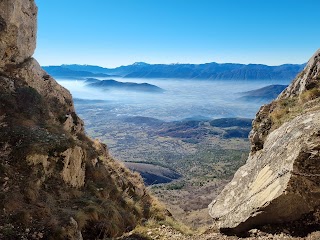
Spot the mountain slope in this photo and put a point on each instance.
(56, 183)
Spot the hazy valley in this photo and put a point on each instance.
(182, 129)
(191, 138)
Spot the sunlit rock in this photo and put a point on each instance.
(280, 182)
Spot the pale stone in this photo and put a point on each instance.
(18, 31)
(73, 171)
(273, 191)
(280, 181)
(306, 77)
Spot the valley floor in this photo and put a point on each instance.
(199, 157)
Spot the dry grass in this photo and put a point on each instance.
(157, 209)
(157, 226)
(284, 110)
(113, 200)
(160, 217)
(310, 95)
(178, 226)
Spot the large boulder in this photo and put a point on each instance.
(280, 182)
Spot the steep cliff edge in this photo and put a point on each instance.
(280, 182)
(55, 182)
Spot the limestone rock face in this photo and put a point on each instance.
(280, 182)
(18, 26)
(306, 80)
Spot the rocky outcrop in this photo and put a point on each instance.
(74, 168)
(306, 85)
(18, 32)
(55, 182)
(280, 182)
(306, 80)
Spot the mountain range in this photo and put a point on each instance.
(212, 71)
(59, 71)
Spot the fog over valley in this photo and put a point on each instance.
(181, 99)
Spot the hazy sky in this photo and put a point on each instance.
(111, 33)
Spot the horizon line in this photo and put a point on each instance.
(178, 63)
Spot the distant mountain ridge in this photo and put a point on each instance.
(212, 71)
(127, 86)
(267, 93)
(61, 71)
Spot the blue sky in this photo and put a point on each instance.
(111, 33)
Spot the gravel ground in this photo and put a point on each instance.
(167, 233)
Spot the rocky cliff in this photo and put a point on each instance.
(280, 183)
(55, 182)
